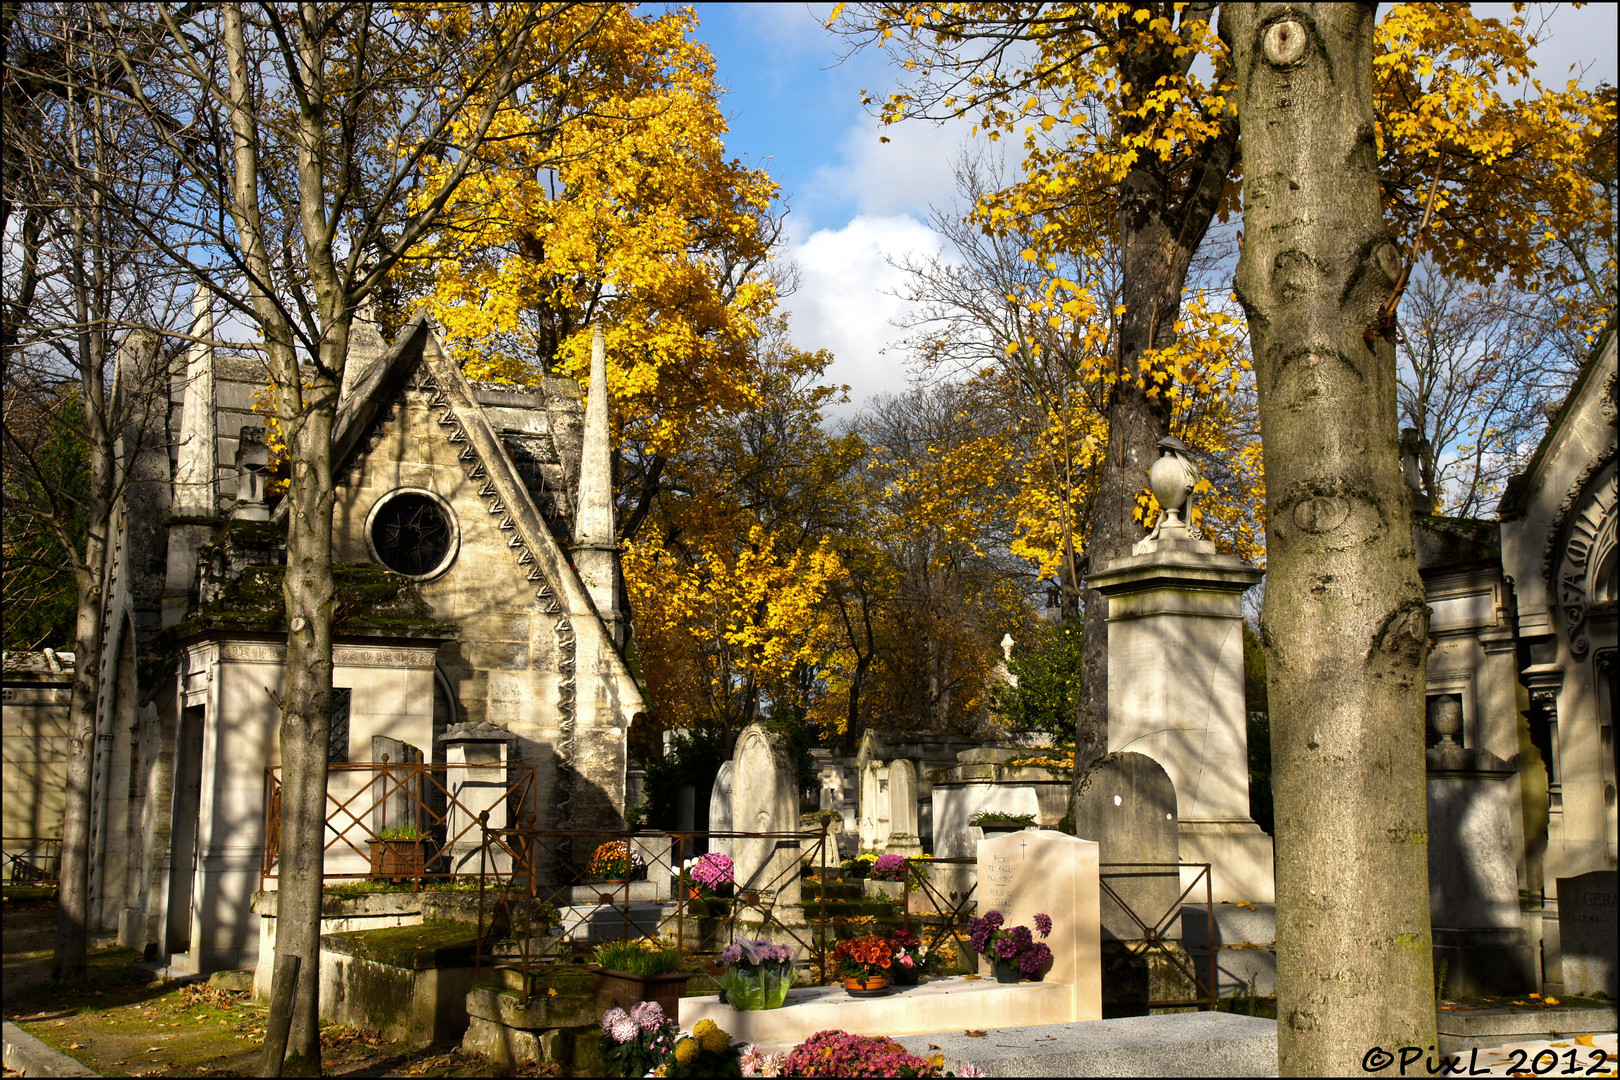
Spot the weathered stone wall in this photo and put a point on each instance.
(36, 745)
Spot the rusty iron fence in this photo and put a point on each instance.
(1154, 935)
(30, 860)
(407, 821)
(536, 911)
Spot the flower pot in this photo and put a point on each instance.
(624, 989)
(764, 987)
(1007, 971)
(398, 858)
(884, 890)
(866, 986)
(990, 827)
(905, 976)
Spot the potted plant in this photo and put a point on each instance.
(758, 974)
(399, 852)
(909, 958)
(996, 821)
(616, 861)
(631, 971)
(860, 867)
(864, 962)
(887, 877)
(1012, 950)
(711, 876)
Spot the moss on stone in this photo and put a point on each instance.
(367, 600)
(432, 944)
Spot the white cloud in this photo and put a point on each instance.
(909, 174)
(845, 302)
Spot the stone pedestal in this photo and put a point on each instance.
(1175, 694)
(1473, 874)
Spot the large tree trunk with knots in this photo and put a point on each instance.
(1344, 622)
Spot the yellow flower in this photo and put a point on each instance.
(686, 1051)
(715, 1040)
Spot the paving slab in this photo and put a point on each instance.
(1178, 1044)
(1585, 1055)
(29, 1056)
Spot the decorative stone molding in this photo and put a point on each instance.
(423, 381)
(350, 656)
(1573, 541)
(254, 654)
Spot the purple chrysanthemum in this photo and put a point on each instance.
(1043, 923)
(647, 1015)
(611, 1017)
(623, 1030)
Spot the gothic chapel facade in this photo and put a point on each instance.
(477, 587)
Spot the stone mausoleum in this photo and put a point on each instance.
(477, 591)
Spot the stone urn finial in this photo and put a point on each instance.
(1446, 717)
(1172, 480)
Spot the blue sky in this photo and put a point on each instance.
(856, 202)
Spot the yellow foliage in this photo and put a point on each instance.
(628, 217)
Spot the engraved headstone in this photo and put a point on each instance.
(1022, 874)
(764, 799)
(874, 806)
(1586, 922)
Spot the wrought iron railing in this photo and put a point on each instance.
(535, 912)
(410, 821)
(30, 860)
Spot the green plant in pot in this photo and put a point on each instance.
(399, 851)
(1001, 821)
(638, 970)
(758, 973)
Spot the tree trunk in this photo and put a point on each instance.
(1344, 622)
(305, 720)
(73, 892)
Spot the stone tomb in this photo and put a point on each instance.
(1128, 805)
(1021, 874)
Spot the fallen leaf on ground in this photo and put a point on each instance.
(75, 1046)
(1583, 1040)
(1550, 1001)
(970, 1033)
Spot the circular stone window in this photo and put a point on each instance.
(413, 532)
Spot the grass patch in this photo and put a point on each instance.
(22, 895)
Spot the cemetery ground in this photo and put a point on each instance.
(126, 1022)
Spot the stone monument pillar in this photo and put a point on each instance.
(1175, 681)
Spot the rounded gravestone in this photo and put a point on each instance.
(1127, 804)
(764, 799)
(720, 809)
